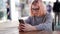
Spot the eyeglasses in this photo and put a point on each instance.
(36, 1)
(35, 8)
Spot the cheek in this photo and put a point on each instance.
(41, 13)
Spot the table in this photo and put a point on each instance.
(56, 32)
(36, 32)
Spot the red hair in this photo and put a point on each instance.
(41, 12)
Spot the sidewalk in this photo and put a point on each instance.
(9, 27)
(8, 24)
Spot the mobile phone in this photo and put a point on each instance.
(21, 21)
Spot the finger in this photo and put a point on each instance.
(22, 27)
(25, 30)
(22, 24)
(20, 30)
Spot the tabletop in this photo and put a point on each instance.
(36, 32)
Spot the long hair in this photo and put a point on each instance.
(42, 10)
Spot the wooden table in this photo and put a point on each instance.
(36, 32)
(56, 32)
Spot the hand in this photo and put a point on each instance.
(28, 27)
(20, 27)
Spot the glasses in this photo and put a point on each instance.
(35, 8)
(36, 1)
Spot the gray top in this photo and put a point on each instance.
(41, 23)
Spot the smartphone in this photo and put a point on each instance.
(21, 21)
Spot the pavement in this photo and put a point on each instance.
(9, 27)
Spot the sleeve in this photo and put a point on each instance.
(47, 25)
(28, 20)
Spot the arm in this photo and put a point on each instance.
(28, 20)
(47, 25)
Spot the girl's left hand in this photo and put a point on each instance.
(28, 27)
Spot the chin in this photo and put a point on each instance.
(35, 15)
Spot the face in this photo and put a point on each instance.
(35, 9)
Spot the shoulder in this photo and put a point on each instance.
(30, 17)
(48, 15)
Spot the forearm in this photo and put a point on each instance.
(46, 27)
(34, 28)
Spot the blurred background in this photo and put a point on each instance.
(20, 9)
